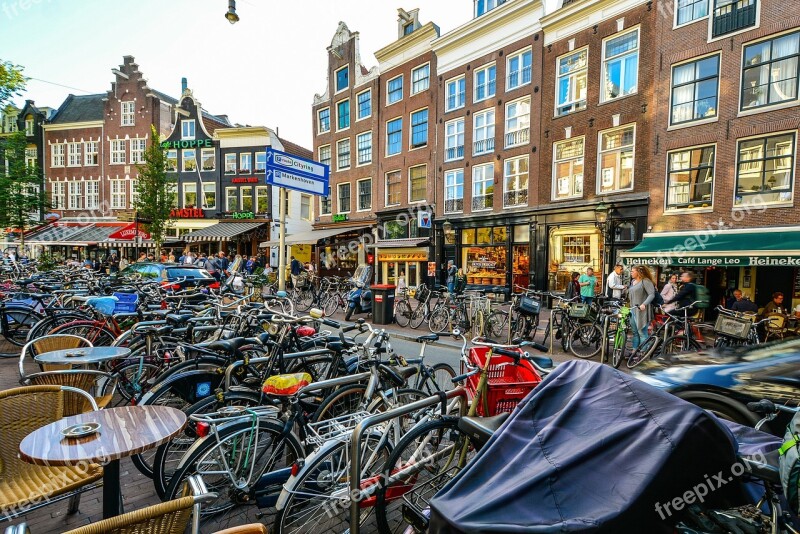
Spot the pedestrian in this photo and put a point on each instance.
(171, 258)
(614, 284)
(641, 294)
(452, 271)
(573, 288)
(687, 294)
(113, 264)
(461, 281)
(668, 292)
(250, 266)
(222, 264)
(142, 257)
(295, 269)
(742, 303)
(588, 283)
(402, 287)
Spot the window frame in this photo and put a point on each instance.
(245, 169)
(338, 90)
(507, 131)
(339, 166)
(228, 198)
(95, 145)
(184, 187)
(58, 195)
(519, 54)
(574, 104)
(263, 168)
(186, 135)
(389, 134)
(676, 24)
(339, 127)
(339, 197)
(74, 156)
(325, 205)
(486, 125)
(428, 78)
(411, 184)
(411, 145)
(203, 152)
(246, 191)
(448, 186)
(319, 120)
(711, 17)
(205, 204)
(507, 176)
(167, 159)
(319, 154)
(116, 153)
(389, 91)
(358, 194)
(674, 208)
(92, 195)
(359, 116)
(448, 136)
(485, 179)
(778, 105)
(58, 150)
(360, 163)
(792, 168)
(184, 159)
(484, 68)
(127, 117)
(258, 192)
(228, 157)
(141, 148)
(310, 200)
(399, 183)
(121, 193)
(77, 195)
(600, 153)
(455, 80)
(572, 160)
(696, 81)
(604, 61)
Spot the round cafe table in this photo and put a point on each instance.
(124, 431)
(87, 355)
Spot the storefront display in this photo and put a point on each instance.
(573, 249)
(410, 262)
(489, 254)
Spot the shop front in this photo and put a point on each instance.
(572, 249)
(411, 262)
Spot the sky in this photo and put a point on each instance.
(263, 70)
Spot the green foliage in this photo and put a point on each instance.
(46, 262)
(12, 81)
(21, 196)
(155, 189)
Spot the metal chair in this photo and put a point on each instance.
(776, 327)
(25, 487)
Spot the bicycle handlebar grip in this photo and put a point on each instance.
(461, 378)
(537, 346)
(350, 328)
(331, 323)
(762, 407)
(507, 352)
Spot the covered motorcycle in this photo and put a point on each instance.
(593, 450)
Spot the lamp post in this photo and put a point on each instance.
(231, 15)
(604, 220)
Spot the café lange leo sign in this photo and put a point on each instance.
(296, 173)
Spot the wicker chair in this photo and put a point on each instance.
(252, 528)
(48, 343)
(776, 327)
(23, 486)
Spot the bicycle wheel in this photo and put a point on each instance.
(402, 313)
(331, 305)
(439, 320)
(426, 459)
(305, 299)
(94, 331)
(644, 351)
(495, 324)
(133, 378)
(17, 322)
(231, 463)
(342, 401)
(418, 316)
(680, 344)
(440, 379)
(586, 341)
(620, 351)
(43, 327)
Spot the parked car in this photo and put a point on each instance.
(724, 380)
(179, 275)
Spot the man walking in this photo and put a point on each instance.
(452, 270)
(296, 270)
(614, 285)
(588, 282)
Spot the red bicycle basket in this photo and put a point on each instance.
(508, 383)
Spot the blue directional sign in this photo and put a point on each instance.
(296, 173)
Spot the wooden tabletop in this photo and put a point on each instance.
(124, 431)
(88, 355)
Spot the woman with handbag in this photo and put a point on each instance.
(573, 288)
(641, 294)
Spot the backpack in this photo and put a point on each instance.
(658, 298)
(702, 295)
(789, 464)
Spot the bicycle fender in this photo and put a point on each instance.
(191, 386)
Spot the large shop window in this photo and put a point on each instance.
(485, 254)
(573, 250)
(691, 178)
(765, 170)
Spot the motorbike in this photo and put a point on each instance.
(359, 299)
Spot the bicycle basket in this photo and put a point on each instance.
(579, 310)
(422, 293)
(507, 383)
(126, 302)
(529, 306)
(735, 327)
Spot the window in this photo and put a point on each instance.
(57, 196)
(90, 153)
(208, 159)
(571, 84)
(482, 187)
(342, 79)
(419, 128)
(76, 195)
(305, 207)
(190, 195)
(620, 66)
(364, 145)
(482, 6)
(74, 154)
(119, 194)
(189, 157)
(343, 115)
(57, 154)
(343, 154)
(128, 113)
(518, 69)
(261, 162)
(485, 81)
(230, 163)
(420, 79)
(231, 199)
(690, 10)
(516, 182)
(210, 196)
(518, 119)
(138, 146)
(408, 29)
(118, 152)
(455, 93)
(454, 140)
(135, 193)
(29, 126)
(616, 160)
(262, 199)
(454, 191)
(30, 158)
(245, 163)
(247, 199)
(364, 101)
(695, 86)
(417, 183)
(92, 194)
(766, 169)
(365, 194)
(324, 120)
(324, 205)
(690, 178)
(770, 71)
(187, 129)
(172, 160)
(325, 154)
(393, 188)
(732, 15)
(394, 89)
(568, 168)
(172, 193)
(344, 198)
(394, 136)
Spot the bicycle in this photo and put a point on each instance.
(665, 341)
(405, 314)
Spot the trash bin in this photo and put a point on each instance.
(383, 304)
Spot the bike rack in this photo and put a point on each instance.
(604, 348)
(376, 419)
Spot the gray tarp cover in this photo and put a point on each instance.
(590, 450)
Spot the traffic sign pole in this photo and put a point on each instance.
(282, 240)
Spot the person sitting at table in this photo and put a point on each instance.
(742, 303)
(775, 305)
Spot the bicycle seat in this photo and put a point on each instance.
(481, 429)
(38, 296)
(178, 319)
(229, 346)
(50, 287)
(397, 375)
(428, 337)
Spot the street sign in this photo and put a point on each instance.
(296, 173)
(423, 219)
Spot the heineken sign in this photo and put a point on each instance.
(188, 143)
(719, 261)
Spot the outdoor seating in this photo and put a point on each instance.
(252, 528)
(25, 487)
(50, 343)
(776, 327)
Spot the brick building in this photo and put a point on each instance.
(726, 118)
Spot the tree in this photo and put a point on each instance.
(12, 81)
(21, 196)
(155, 190)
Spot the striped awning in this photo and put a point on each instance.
(223, 231)
(77, 235)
